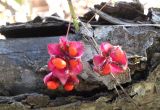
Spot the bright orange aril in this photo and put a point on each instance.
(119, 55)
(72, 51)
(106, 69)
(52, 85)
(73, 63)
(59, 63)
(69, 86)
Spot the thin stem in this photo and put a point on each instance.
(69, 26)
(117, 90)
(92, 40)
(73, 14)
(99, 10)
(95, 14)
(125, 91)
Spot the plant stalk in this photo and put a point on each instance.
(73, 14)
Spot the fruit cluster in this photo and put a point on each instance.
(65, 64)
(111, 60)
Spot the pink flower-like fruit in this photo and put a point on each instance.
(111, 60)
(65, 64)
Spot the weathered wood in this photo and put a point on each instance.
(125, 10)
(134, 40)
(50, 26)
(21, 60)
(111, 19)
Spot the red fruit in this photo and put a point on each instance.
(106, 69)
(69, 86)
(73, 63)
(118, 55)
(59, 63)
(52, 85)
(72, 51)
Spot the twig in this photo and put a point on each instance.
(116, 90)
(91, 39)
(8, 6)
(69, 26)
(109, 18)
(125, 91)
(100, 10)
(95, 14)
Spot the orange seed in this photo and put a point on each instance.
(72, 51)
(73, 63)
(59, 63)
(69, 87)
(106, 69)
(52, 85)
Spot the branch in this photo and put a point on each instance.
(8, 7)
